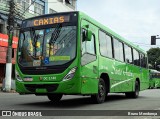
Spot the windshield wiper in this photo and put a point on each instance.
(34, 39)
(67, 39)
(54, 36)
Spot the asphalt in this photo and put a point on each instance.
(148, 100)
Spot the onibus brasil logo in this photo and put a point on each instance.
(21, 113)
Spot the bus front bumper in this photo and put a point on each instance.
(67, 87)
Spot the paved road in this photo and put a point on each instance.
(148, 100)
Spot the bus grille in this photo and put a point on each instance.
(48, 87)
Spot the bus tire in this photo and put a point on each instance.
(55, 97)
(135, 93)
(100, 97)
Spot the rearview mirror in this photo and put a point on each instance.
(86, 33)
(89, 35)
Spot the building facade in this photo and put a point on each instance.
(25, 9)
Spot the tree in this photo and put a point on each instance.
(154, 57)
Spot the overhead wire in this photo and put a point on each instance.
(28, 7)
(146, 45)
(21, 14)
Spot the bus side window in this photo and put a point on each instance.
(143, 61)
(136, 57)
(88, 49)
(88, 46)
(128, 54)
(105, 44)
(118, 50)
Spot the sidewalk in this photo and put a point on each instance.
(1, 91)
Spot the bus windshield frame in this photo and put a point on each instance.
(48, 45)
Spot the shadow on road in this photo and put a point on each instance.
(64, 103)
(75, 102)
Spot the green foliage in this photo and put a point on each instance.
(154, 56)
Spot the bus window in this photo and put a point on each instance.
(27, 43)
(88, 46)
(118, 50)
(105, 45)
(128, 54)
(109, 46)
(136, 57)
(88, 49)
(121, 56)
(143, 61)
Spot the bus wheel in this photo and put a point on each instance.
(100, 97)
(135, 93)
(55, 97)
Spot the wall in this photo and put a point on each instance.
(59, 6)
(4, 45)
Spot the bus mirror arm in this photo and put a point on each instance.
(88, 34)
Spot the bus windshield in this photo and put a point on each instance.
(47, 47)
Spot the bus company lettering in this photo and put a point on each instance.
(128, 73)
(120, 72)
(51, 20)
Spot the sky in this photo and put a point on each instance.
(135, 20)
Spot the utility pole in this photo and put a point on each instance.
(8, 74)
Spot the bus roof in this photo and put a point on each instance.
(103, 27)
(154, 71)
(45, 15)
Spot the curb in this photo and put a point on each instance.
(11, 91)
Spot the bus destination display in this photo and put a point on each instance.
(47, 21)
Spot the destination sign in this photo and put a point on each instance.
(47, 20)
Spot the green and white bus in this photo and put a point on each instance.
(72, 54)
(154, 79)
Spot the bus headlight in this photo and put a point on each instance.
(17, 76)
(70, 74)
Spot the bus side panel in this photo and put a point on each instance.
(106, 66)
(89, 70)
(89, 79)
(145, 79)
(157, 82)
(121, 82)
(152, 83)
(128, 79)
(136, 75)
(120, 74)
